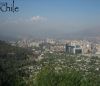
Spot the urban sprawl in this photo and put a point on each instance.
(82, 47)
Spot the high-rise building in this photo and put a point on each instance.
(73, 49)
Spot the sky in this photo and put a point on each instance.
(50, 17)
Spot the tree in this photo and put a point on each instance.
(49, 77)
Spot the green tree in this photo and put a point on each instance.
(49, 77)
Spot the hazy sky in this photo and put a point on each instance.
(50, 17)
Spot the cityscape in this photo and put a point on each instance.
(83, 47)
(49, 43)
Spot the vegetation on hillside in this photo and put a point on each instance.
(17, 69)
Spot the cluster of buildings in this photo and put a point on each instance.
(68, 46)
(74, 46)
(73, 49)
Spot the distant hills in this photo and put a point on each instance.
(90, 34)
(93, 32)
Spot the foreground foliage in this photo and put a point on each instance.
(70, 77)
(55, 70)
